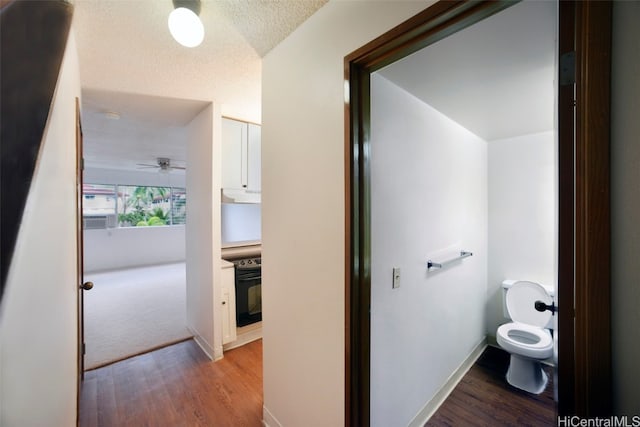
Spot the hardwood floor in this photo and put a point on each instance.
(176, 386)
(484, 398)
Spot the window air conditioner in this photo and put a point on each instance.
(99, 222)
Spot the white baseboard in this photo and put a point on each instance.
(218, 353)
(268, 420)
(492, 341)
(441, 395)
(202, 343)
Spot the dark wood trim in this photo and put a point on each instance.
(349, 190)
(358, 289)
(566, 174)
(432, 24)
(79, 255)
(592, 211)
(33, 38)
(584, 364)
(584, 271)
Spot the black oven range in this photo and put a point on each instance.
(248, 291)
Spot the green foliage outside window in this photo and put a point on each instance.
(137, 206)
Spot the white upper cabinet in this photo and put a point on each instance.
(254, 157)
(241, 160)
(234, 154)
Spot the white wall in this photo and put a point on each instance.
(625, 207)
(38, 324)
(428, 201)
(522, 216)
(241, 222)
(303, 234)
(203, 252)
(115, 248)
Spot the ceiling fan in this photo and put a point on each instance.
(163, 165)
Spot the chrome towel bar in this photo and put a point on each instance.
(432, 265)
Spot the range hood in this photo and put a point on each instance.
(240, 196)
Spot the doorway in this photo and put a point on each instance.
(575, 368)
(134, 216)
(463, 159)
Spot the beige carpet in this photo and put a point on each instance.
(132, 311)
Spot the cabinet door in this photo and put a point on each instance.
(228, 306)
(234, 154)
(254, 160)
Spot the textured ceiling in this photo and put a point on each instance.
(145, 128)
(125, 46)
(125, 49)
(265, 23)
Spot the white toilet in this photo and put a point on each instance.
(527, 338)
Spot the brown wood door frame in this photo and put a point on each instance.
(80, 254)
(584, 365)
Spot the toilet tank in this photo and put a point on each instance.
(506, 284)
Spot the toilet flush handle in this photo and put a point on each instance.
(541, 306)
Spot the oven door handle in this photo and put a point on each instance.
(249, 278)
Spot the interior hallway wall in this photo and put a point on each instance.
(203, 252)
(38, 317)
(625, 207)
(523, 205)
(303, 233)
(428, 201)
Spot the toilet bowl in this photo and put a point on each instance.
(526, 338)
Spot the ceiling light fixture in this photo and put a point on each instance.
(185, 24)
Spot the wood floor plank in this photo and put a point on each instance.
(484, 398)
(162, 406)
(106, 400)
(176, 386)
(90, 396)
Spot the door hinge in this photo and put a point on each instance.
(568, 68)
(82, 164)
(84, 348)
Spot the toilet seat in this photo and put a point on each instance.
(516, 338)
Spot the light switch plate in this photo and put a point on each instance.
(396, 277)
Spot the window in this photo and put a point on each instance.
(179, 205)
(109, 206)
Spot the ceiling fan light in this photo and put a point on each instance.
(186, 27)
